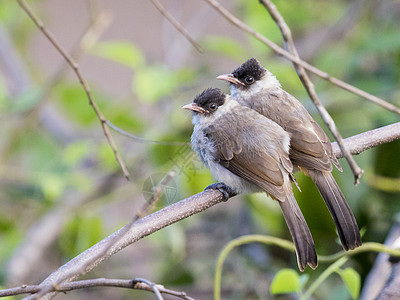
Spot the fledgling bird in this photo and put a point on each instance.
(249, 153)
(255, 87)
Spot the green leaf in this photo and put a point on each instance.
(152, 83)
(10, 239)
(106, 157)
(352, 280)
(74, 103)
(75, 152)
(155, 82)
(122, 52)
(286, 281)
(80, 233)
(89, 232)
(52, 186)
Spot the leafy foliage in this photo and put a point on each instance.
(352, 280)
(286, 281)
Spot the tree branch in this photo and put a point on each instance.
(137, 283)
(142, 228)
(309, 86)
(186, 208)
(147, 206)
(367, 140)
(280, 51)
(176, 24)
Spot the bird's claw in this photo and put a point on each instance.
(226, 191)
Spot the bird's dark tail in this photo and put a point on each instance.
(345, 221)
(301, 235)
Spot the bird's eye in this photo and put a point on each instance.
(249, 80)
(213, 106)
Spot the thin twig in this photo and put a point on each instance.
(158, 190)
(309, 86)
(177, 212)
(137, 283)
(86, 42)
(152, 285)
(177, 25)
(280, 51)
(78, 74)
(143, 140)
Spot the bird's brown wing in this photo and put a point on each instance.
(310, 146)
(326, 144)
(254, 165)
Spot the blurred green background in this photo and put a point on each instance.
(61, 189)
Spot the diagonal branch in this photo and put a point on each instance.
(142, 228)
(176, 24)
(184, 209)
(78, 74)
(82, 269)
(280, 51)
(309, 86)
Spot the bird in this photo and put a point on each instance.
(253, 86)
(249, 153)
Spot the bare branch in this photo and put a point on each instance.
(142, 228)
(367, 140)
(137, 283)
(184, 209)
(309, 86)
(78, 74)
(280, 51)
(158, 190)
(143, 140)
(176, 24)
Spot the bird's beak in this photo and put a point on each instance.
(194, 107)
(230, 78)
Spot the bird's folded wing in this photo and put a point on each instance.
(308, 141)
(254, 165)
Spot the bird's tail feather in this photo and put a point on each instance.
(345, 221)
(301, 235)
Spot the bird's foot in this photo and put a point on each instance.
(226, 191)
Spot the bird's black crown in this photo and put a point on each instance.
(210, 96)
(251, 67)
